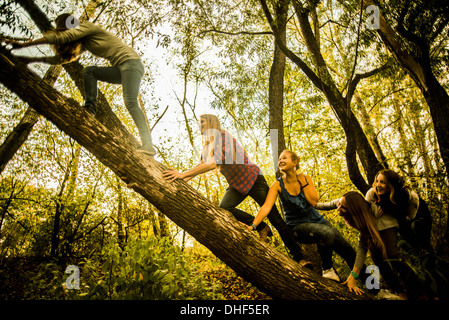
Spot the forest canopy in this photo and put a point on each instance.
(314, 77)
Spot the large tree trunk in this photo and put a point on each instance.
(276, 86)
(257, 262)
(420, 70)
(357, 143)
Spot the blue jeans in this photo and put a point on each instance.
(328, 239)
(259, 192)
(128, 74)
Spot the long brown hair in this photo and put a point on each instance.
(67, 51)
(398, 188)
(360, 217)
(213, 128)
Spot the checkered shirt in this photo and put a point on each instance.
(235, 165)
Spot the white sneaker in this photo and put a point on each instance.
(331, 274)
(385, 294)
(147, 149)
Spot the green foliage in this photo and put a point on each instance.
(232, 286)
(46, 283)
(147, 269)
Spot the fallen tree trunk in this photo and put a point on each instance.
(262, 265)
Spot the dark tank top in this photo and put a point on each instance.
(296, 208)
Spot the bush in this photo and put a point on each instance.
(233, 286)
(146, 269)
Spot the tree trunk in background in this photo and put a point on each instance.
(257, 262)
(357, 143)
(121, 239)
(370, 130)
(17, 137)
(420, 70)
(276, 88)
(276, 110)
(64, 198)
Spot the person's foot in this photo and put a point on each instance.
(331, 274)
(92, 109)
(385, 294)
(306, 264)
(263, 234)
(147, 149)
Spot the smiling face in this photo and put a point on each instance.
(286, 162)
(382, 185)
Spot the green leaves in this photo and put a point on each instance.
(149, 269)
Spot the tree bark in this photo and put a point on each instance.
(257, 262)
(276, 84)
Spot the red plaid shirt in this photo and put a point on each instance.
(235, 165)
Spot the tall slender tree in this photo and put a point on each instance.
(319, 74)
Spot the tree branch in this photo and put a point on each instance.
(355, 81)
(234, 33)
(290, 54)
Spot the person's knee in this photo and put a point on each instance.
(315, 233)
(88, 71)
(225, 206)
(231, 209)
(327, 238)
(132, 104)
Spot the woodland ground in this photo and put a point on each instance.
(33, 278)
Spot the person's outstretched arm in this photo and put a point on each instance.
(327, 206)
(19, 45)
(265, 209)
(171, 175)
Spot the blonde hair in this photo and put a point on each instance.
(212, 121)
(210, 135)
(294, 157)
(213, 128)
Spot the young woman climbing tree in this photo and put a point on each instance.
(298, 198)
(222, 150)
(393, 197)
(70, 38)
(378, 233)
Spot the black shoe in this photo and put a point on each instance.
(147, 149)
(92, 109)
